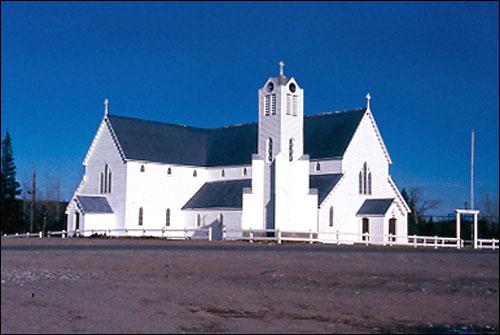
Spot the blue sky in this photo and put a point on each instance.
(431, 69)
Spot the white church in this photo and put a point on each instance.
(323, 173)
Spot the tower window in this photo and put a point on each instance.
(273, 104)
(223, 173)
(267, 105)
(143, 168)
(141, 212)
(318, 166)
(244, 171)
(365, 180)
(169, 170)
(195, 173)
(295, 106)
(269, 149)
(290, 150)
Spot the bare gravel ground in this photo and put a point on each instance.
(155, 286)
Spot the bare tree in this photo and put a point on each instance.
(489, 206)
(420, 204)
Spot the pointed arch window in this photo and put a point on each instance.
(318, 167)
(269, 149)
(141, 213)
(365, 180)
(223, 173)
(167, 217)
(245, 171)
(102, 183)
(221, 219)
(143, 168)
(169, 170)
(105, 178)
(198, 220)
(109, 181)
(195, 173)
(330, 221)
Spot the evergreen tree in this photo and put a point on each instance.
(11, 218)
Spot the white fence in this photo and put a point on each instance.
(252, 235)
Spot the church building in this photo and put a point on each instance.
(320, 173)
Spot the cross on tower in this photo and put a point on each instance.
(368, 98)
(282, 65)
(106, 103)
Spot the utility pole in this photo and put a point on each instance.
(33, 199)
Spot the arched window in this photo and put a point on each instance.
(360, 182)
(318, 166)
(221, 219)
(167, 217)
(198, 220)
(290, 150)
(169, 171)
(369, 183)
(140, 216)
(331, 216)
(105, 178)
(244, 171)
(365, 228)
(195, 173)
(109, 182)
(142, 168)
(223, 173)
(102, 183)
(269, 149)
(365, 168)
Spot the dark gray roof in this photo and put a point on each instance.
(93, 204)
(324, 183)
(228, 194)
(219, 194)
(375, 206)
(325, 136)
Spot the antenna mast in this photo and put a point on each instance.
(472, 170)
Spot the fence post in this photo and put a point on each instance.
(279, 235)
(337, 237)
(414, 240)
(40, 234)
(185, 233)
(251, 235)
(63, 234)
(210, 233)
(366, 238)
(223, 232)
(390, 239)
(310, 236)
(435, 242)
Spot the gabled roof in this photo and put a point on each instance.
(375, 206)
(93, 204)
(326, 135)
(219, 194)
(229, 193)
(324, 183)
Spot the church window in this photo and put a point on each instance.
(167, 217)
(269, 149)
(369, 183)
(318, 166)
(106, 178)
(198, 220)
(102, 183)
(195, 173)
(331, 217)
(290, 150)
(365, 169)
(109, 182)
(292, 87)
(142, 168)
(221, 219)
(140, 216)
(267, 105)
(169, 170)
(288, 104)
(273, 104)
(295, 105)
(360, 182)
(223, 173)
(244, 171)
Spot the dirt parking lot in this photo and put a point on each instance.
(155, 286)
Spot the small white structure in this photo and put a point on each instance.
(320, 173)
(475, 214)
